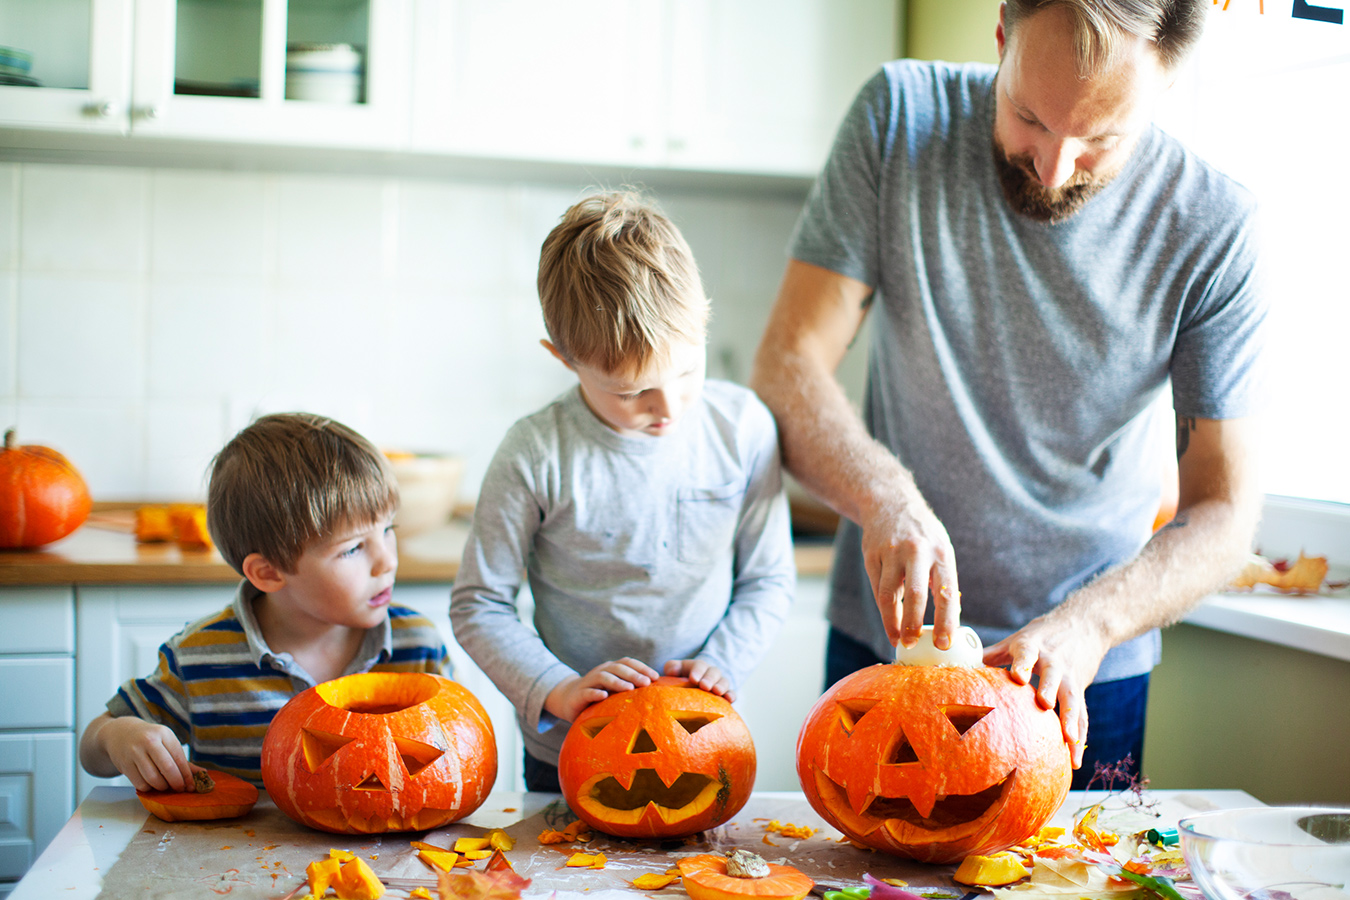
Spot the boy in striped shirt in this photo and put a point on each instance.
(302, 507)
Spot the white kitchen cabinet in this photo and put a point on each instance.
(120, 630)
(727, 85)
(80, 52)
(206, 70)
(37, 664)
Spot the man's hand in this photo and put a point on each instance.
(703, 675)
(572, 695)
(1064, 656)
(907, 554)
(147, 753)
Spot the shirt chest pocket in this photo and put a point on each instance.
(706, 521)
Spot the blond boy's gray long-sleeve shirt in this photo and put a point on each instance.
(658, 548)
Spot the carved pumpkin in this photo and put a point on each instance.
(933, 763)
(43, 497)
(665, 760)
(381, 751)
(229, 796)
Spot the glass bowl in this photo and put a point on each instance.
(1269, 853)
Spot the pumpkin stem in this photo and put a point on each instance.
(10, 441)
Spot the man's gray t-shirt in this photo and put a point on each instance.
(1013, 362)
(657, 548)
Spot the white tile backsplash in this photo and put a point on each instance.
(9, 217)
(148, 314)
(207, 223)
(81, 337)
(83, 219)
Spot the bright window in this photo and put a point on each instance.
(1266, 98)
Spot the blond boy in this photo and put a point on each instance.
(302, 507)
(644, 506)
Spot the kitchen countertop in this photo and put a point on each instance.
(104, 551)
(74, 864)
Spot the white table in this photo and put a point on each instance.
(94, 837)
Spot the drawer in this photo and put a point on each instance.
(39, 692)
(37, 620)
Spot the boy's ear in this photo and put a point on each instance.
(548, 345)
(262, 574)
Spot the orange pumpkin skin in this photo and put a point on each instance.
(43, 497)
(378, 752)
(231, 797)
(661, 761)
(705, 878)
(933, 763)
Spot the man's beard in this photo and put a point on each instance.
(1029, 197)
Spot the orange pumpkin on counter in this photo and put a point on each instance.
(378, 752)
(934, 762)
(43, 497)
(665, 760)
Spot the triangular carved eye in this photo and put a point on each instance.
(642, 742)
(902, 753)
(692, 722)
(320, 746)
(850, 711)
(416, 755)
(372, 783)
(963, 718)
(593, 727)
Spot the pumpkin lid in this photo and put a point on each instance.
(966, 650)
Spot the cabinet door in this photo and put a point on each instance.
(762, 85)
(73, 70)
(118, 637)
(539, 79)
(220, 70)
(35, 796)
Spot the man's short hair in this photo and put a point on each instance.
(1101, 26)
(290, 478)
(618, 284)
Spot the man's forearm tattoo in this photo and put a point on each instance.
(1185, 425)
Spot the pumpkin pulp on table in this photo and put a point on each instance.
(665, 760)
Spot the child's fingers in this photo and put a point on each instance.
(639, 666)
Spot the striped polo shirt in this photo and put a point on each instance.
(218, 684)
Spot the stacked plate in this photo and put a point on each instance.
(327, 73)
(15, 65)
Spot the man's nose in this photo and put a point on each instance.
(1056, 162)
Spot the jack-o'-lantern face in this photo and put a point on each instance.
(380, 752)
(933, 763)
(666, 760)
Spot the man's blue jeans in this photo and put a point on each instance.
(1116, 713)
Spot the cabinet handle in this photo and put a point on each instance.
(104, 108)
(151, 112)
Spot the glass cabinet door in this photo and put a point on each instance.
(273, 71)
(65, 63)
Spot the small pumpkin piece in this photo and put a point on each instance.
(706, 877)
(356, 881)
(440, 859)
(500, 840)
(320, 874)
(465, 844)
(419, 893)
(229, 797)
(153, 524)
(652, 881)
(996, 870)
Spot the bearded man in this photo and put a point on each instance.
(1043, 261)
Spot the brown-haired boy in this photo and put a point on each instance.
(303, 508)
(645, 506)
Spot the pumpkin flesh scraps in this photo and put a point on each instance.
(661, 761)
(378, 752)
(230, 797)
(934, 764)
(705, 877)
(1302, 577)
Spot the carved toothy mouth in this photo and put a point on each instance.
(954, 809)
(647, 787)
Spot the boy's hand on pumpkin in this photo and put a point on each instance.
(908, 554)
(703, 675)
(572, 695)
(148, 754)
